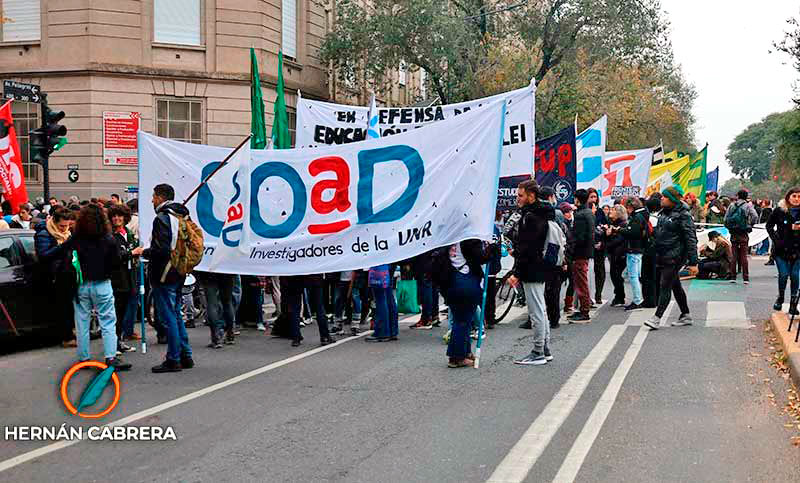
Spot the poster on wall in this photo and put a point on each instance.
(119, 138)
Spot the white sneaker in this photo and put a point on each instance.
(261, 328)
(683, 320)
(653, 322)
(747, 282)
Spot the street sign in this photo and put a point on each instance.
(73, 166)
(20, 91)
(73, 176)
(119, 138)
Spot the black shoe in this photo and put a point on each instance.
(215, 345)
(123, 347)
(187, 362)
(336, 329)
(633, 306)
(555, 326)
(354, 331)
(372, 338)
(296, 343)
(118, 364)
(162, 339)
(547, 355)
(167, 366)
(327, 341)
(392, 338)
(770, 262)
(526, 325)
(778, 303)
(230, 339)
(579, 317)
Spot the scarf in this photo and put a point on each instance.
(59, 235)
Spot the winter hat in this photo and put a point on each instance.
(565, 207)
(674, 193)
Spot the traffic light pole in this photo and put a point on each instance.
(46, 165)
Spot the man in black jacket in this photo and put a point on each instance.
(636, 236)
(675, 243)
(529, 267)
(582, 249)
(165, 281)
(599, 254)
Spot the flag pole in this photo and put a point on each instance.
(482, 317)
(141, 305)
(221, 165)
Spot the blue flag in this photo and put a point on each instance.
(712, 180)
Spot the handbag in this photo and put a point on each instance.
(407, 302)
(379, 276)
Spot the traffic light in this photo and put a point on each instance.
(48, 137)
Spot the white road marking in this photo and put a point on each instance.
(519, 461)
(31, 455)
(580, 449)
(727, 314)
(638, 317)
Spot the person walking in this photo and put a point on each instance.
(675, 243)
(582, 250)
(220, 311)
(165, 281)
(95, 258)
(599, 253)
(530, 269)
(616, 251)
(637, 237)
(783, 227)
(739, 220)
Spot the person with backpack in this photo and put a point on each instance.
(533, 265)
(739, 220)
(165, 279)
(582, 250)
(783, 227)
(675, 242)
(552, 287)
(637, 235)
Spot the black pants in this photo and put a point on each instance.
(617, 267)
(649, 280)
(552, 298)
(316, 302)
(121, 300)
(599, 273)
(491, 303)
(670, 283)
(705, 269)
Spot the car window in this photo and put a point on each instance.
(28, 251)
(7, 252)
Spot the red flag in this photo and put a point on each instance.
(11, 176)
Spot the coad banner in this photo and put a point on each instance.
(338, 207)
(322, 123)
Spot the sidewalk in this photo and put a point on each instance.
(780, 325)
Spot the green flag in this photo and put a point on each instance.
(257, 125)
(698, 172)
(281, 139)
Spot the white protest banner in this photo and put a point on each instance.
(322, 123)
(590, 148)
(625, 173)
(341, 207)
(234, 236)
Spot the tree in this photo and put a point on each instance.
(752, 154)
(790, 45)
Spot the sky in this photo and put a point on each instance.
(723, 48)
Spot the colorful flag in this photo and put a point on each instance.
(12, 177)
(590, 148)
(671, 156)
(712, 180)
(693, 178)
(672, 167)
(554, 163)
(625, 173)
(257, 126)
(281, 139)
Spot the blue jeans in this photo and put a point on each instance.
(100, 296)
(788, 269)
(386, 320)
(220, 305)
(426, 287)
(634, 261)
(167, 299)
(463, 298)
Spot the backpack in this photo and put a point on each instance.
(737, 220)
(554, 246)
(188, 251)
(441, 268)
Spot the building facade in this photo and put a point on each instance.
(183, 65)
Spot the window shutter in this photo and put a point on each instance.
(177, 22)
(289, 28)
(23, 20)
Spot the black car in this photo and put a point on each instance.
(17, 263)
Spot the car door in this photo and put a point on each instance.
(15, 294)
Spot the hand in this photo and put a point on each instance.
(692, 270)
(513, 281)
(136, 252)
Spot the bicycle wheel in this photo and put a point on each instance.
(506, 295)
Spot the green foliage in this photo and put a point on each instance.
(790, 44)
(752, 154)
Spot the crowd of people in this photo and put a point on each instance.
(88, 256)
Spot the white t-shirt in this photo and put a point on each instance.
(457, 259)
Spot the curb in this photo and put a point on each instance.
(780, 325)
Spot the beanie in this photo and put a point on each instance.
(674, 193)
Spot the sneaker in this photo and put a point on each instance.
(236, 331)
(426, 326)
(683, 320)
(420, 324)
(532, 359)
(747, 282)
(230, 339)
(336, 329)
(187, 362)
(526, 325)
(733, 280)
(167, 366)
(261, 327)
(215, 345)
(633, 306)
(436, 323)
(296, 343)
(327, 341)
(579, 318)
(123, 347)
(547, 355)
(354, 331)
(653, 322)
(474, 335)
(618, 303)
(118, 364)
(372, 338)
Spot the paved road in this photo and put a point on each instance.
(619, 403)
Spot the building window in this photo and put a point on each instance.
(291, 115)
(289, 28)
(26, 118)
(177, 22)
(181, 120)
(20, 20)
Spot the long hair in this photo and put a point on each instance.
(92, 223)
(790, 193)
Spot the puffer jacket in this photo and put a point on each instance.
(635, 233)
(779, 226)
(615, 243)
(532, 233)
(582, 240)
(123, 278)
(165, 227)
(675, 236)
